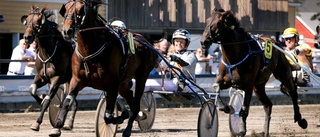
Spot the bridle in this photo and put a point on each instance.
(77, 20)
(37, 28)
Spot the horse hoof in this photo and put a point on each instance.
(35, 126)
(227, 109)
(67, 127)
(55, 132)
(303, 123)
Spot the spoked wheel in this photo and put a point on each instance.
(147, 112)
(55, 105)
(101, 128)
(236, 123)
(208, 120)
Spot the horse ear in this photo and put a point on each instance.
(23, 19)
(31, 8)
(62, 10)
(43, 19)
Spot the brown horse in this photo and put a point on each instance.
(244, 66)
(103, 60)
(53, 63)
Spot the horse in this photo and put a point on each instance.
(244, 66)
(53, 63)
(103, 60)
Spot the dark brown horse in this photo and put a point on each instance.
(244, 66)
(53, 63)
(103, 60)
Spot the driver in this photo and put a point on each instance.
(181, 58)
(301, 52)
(119, 26)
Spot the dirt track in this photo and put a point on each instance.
(171, 122)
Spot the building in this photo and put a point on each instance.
(153, 17)
(303, 22)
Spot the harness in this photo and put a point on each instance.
(231, 66)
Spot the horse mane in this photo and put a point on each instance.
(48, 12)
(232, 22)
(93, 10)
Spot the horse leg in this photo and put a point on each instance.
(37, 83)
(44, 106)
(111, 98)
(267, 105)
(134, 103)
(220, 84)
(67, 103)
(73, 111)
(289, 87)
(292, 90)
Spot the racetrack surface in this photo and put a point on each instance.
(171, 122)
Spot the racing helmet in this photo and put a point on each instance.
(119, 24)
(290, 32)
(181, 33)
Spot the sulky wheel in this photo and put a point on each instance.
(55, 105)
(208, 120)
(101, 128)
(147, 112)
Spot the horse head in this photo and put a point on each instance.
(34, 22)
(73, 13)
(211, 27)
(220, 22)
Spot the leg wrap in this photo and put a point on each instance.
(33, 89)
(69, 101)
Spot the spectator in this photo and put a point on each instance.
(31, 65)
(162, 46)
(303, 54)
(170, 49)
(20, 52)
(202, 61)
